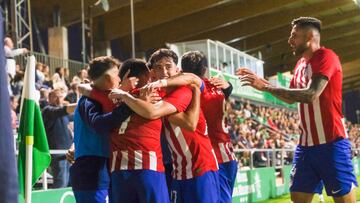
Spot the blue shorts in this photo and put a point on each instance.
(327, 164)
(96, 196)
(90, 179)
(143, 186)
(202, 189)
(227, 175)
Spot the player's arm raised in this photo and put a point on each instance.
(178, 80)
(306, 95)
(189, 119)
(144, 108)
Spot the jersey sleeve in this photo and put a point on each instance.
(325, 62)
(179, 98)
(92, 114)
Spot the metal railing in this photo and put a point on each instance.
(275, 157)
(270, 154)
(53, 62)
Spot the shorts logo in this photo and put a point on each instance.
(335, 192)
(292, 174)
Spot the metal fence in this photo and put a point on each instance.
(53, 62)
(274, 157)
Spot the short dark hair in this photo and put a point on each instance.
(306, 22)
(194, 62)
(99, 65)
(136, 66)
(160, 54)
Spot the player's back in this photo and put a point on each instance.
(192, 153)
(214, 107)
(136, 145)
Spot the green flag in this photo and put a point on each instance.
(31, 131)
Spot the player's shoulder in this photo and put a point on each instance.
(181, 90)
(325, 52)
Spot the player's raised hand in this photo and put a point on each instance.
(157, 84)
(128, 83)
(219, 83)
(117, 94)
(254, 81)
(243, 71)
(149, 94)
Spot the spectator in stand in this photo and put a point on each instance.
(44, 96)
(10, 53)
(58, 79)
(17, 84)
(47, 79)
(74, 94)
(66, 76)
(14, 103)
(260, 158)
(39, 76)
(81, 77)
(56, 117)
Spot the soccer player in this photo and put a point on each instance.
(195, 167)
(324, 152)
(136, 159)
(137, 171)
(213, 104)
(89, 173)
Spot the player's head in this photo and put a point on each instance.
(104, 72)
(137, 68)
(163, 63)
(305, 31)
(194, 62)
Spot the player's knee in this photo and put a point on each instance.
(347, 198)
(301, 197)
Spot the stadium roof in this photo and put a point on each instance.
(250, 25)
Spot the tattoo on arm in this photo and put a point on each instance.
(307, 95)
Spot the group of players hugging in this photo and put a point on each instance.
(160, 136)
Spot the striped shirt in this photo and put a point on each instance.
(213, 105)
(321, 120)
(191, 152)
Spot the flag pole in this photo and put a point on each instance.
(28, 166)
(29, 139)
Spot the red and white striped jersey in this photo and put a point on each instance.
(191, 152)
(322, 120)
(213, 105)
(136, 145)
